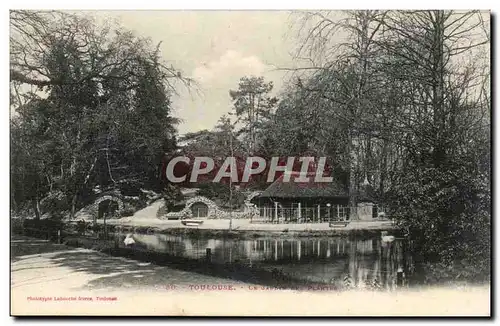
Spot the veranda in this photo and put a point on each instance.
(300, 213)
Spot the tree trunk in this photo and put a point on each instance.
(104, 226)
(368, 158)
(73, 207)
(353, 213)
(439, 151)
(36, 208)
(363, 20)
(14, 205)
(383, 169)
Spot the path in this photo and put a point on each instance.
(246, 225)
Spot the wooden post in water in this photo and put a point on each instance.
(299, 249)
(209, 255)
(399, 277)
(275, 250)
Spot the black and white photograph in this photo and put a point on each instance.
(250, 163)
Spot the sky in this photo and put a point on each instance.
(216, 49)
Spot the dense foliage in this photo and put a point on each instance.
(402, 102)
(98, 115)
(410, 95)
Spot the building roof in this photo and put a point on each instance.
(312, 189)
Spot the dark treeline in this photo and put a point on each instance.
(92, 111)
(398, 99)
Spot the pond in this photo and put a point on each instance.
(349, 261)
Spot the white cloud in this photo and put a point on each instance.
(215, 79)
(231, 65)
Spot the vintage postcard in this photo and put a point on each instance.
(250, 163)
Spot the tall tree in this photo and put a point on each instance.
(253, 105)
(412, 90)
(344, 77)
(100, 96)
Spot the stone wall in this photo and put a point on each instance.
(186, 211)
(214, 211)
(94, 208)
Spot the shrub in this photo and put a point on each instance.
(447, 212)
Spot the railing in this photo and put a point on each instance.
(318, 214)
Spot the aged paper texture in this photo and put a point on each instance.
(250, 163)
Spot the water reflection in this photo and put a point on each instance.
(349, 262)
